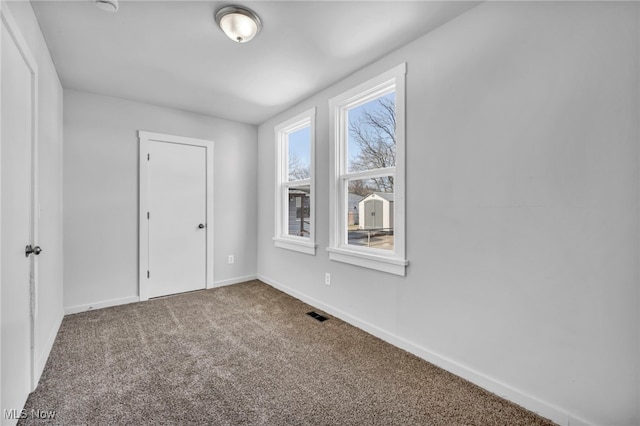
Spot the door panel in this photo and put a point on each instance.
(368, 217)
(373, 214)
(17, 128)
(378, 214)
(177, 202)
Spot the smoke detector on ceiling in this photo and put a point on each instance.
(107, 5)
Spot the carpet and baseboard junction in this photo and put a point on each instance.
(246, 354)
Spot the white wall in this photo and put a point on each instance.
(522, 208)
(101, 194)
(50, 183)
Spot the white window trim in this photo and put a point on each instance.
(282, 239)
(391, 261)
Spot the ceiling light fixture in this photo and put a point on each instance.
(108, 5)
(238, 23)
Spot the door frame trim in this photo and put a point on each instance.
(14, 30)
(143, 242)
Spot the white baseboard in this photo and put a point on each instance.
(115, 302)
(543, 408)
(230, 281)
(48, 345)
(99, 305)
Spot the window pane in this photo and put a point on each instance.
(300, 154)
(370, 212)
(372, 134)
(299, 220)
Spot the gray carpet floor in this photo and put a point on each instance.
(247, 354)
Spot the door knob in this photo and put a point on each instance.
(201, 226)
(35, 250)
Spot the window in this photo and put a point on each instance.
(295, 198)
(367, 188)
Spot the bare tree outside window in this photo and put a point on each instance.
(298, 169)
(372, 142)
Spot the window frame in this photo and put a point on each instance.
(390, 261)
(282, 239)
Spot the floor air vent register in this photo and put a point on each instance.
(317, 316)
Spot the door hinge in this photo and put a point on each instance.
(148, 157)
(148, 275)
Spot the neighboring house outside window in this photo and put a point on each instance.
(295, 197)
(367, 188)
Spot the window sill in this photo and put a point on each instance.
(371, 261)
(305, 247)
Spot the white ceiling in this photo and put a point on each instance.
(172, 53)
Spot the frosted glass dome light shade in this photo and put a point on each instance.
(238, 23)
(107, 5)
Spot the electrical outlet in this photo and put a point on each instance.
(231, 259)
(327, 278)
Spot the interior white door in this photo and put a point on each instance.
(18, 137)
(177, 202)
